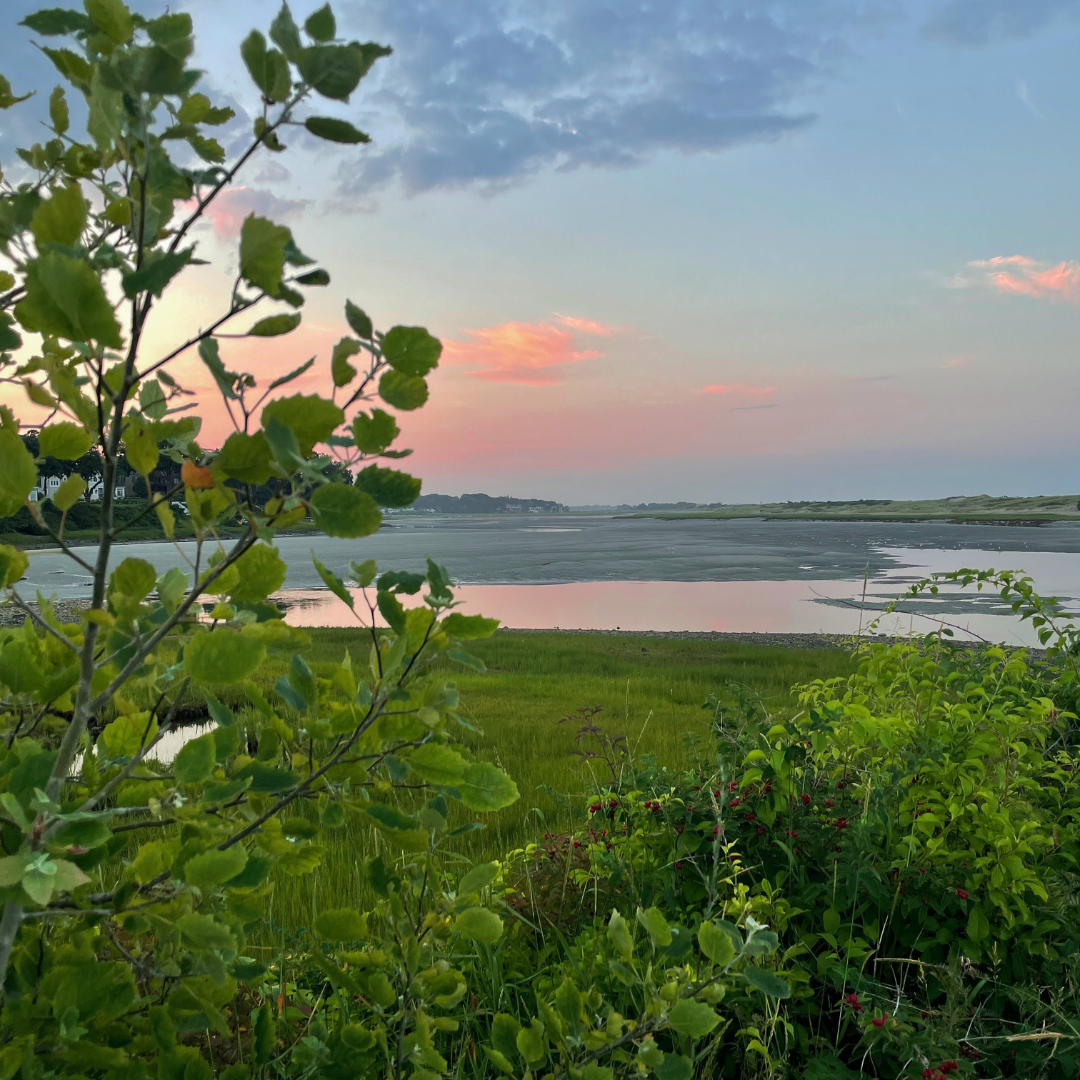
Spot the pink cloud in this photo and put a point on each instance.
(737, 388)
(1019, 275)
(227, 212)
(530, 354)
(586, 326)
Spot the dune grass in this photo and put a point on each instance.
(650, 689)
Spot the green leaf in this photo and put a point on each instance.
(342, 510)
(460, 656)
(222, 656)
(265, 780)
(332, 70)
(621, 935)
(342, 371)
(204, 932)
(479, 924)
(373, 434)
(411, 350)
(500, 1061)
(314, 277)
(57, 22)
(88, 833)
(532, 1045)
(320, 24)
(390, 818)
(275, 326)
(61, 219)
(674, 1067)
(438, 764)
(112, 18)
(655, 925)
(13, 564)
(767, 982)
(284, 33)
(262, 253)
(283, 445)
(159, 269)
(245, 458)
(332, 581)
(358, 320)
(213, 868)
(391, 610)
(341, 924)
(64, 297)
(716, 944)
(485, 787)
(388, 487)
(195, 762)
(334, 130)
(693, 1018)
(134, 578)
(208, 353)
(69, 492)
(363, 573)
(978, 928)
(312, 419)
(469, 627)
(268, 68)
(262, 572)
(19, 474)
(140, 446)
(58, 110)
(64, 441)
(405, 392)
(479, 877)
(504, 1033)
(254, 873)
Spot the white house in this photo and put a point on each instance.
(46, 488)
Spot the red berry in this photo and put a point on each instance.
(678, 866)
(791, 832)
(751, 817)
(805, 798)
(679, 830)
(830, 803)
(878, 1021)
(734, 803)
(612, 804)
(962, 893)
(948, 1066)
(852, 999)
(761, 830)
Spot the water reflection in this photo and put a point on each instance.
(777, 607)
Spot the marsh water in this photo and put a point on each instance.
(601, 572)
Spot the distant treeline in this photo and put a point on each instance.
(480, 503)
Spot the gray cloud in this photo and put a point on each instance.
(487, 92)
(979, 22)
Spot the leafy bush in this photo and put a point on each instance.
(910, 834)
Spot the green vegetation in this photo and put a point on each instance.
(960, 508)
(650, 690)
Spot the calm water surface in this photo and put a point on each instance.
(598, 572)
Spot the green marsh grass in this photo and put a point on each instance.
(650, 689)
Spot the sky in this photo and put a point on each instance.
(706, 250)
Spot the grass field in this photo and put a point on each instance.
(651, 690)
(961, 508)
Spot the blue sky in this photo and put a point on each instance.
(698, 250)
